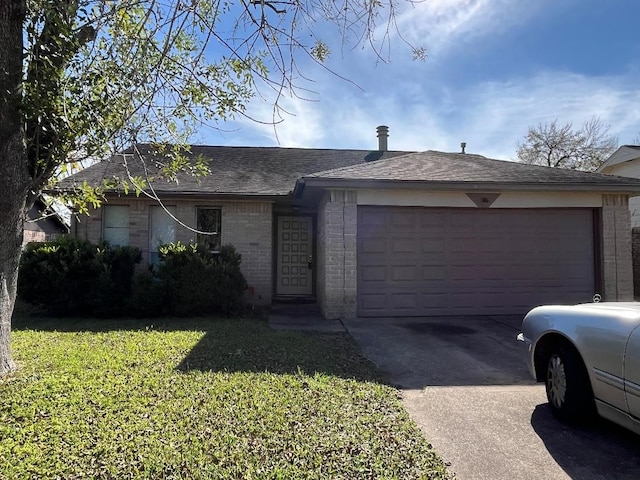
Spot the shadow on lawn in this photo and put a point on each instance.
(235, 345)
(265, 350)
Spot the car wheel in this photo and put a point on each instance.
(568, 387)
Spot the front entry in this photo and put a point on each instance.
(294, 260)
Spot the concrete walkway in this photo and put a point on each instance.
(303, 317)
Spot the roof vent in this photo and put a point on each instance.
(463, 145)
(383, 136)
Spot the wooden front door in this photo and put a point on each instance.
(295, 260)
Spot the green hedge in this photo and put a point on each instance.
(198, 282)
(75, 277)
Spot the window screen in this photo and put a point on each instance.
(116, 224)
(162, 230)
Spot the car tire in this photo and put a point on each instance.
(568, 386)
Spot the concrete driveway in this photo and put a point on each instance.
(464, 382)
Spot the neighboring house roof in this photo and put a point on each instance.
(234, 170)
(463, 170)
(625, 153)
(45, 218)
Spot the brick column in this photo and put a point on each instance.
(337, 232)
(617, 264)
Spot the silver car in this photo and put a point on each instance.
(589, 358)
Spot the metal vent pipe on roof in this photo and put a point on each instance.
(463, 145)
(383, 136)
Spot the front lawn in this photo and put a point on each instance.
(200, 399)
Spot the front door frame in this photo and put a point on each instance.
(311, 289)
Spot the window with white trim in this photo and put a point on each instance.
(115, 224)
(209, 220)
(162, 229)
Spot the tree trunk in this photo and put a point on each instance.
(11, 224)
(14, 177)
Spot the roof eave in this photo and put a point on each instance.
(624, 188)
(195, 194)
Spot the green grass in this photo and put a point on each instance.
(201, 399)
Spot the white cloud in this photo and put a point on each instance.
(441, 24)
(503, 111)
(490, 117)
(435, 105)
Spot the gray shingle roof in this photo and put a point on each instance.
(458, 168)
(274, 171)
(234, 170)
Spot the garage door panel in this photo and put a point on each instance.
(433, 246)
(374, 245)
(373, 303)
(436, 261)
(404, 301)
(462, 258)
(373, 273)
(403, 221)
(431, 219)
(432, 273)
(404, 245)
(431, 260)
(404, 273)
(465, 299)
(372, 218)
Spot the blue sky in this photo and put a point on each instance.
(494, 68)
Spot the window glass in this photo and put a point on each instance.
(162, 230)
(209, 220)
(116, 224)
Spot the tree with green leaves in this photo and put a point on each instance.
(562, 146)
(80, 79)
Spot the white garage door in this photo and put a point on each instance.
(438, 261)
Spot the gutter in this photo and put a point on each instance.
(621, 188)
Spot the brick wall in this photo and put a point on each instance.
(245, 225)
(337, 232)
(249, 227)
(617, 265)
(33, 236)
(88, 227)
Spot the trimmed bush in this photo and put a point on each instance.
(75, 277)
(147, 298)
(198, 282)
(72, 277)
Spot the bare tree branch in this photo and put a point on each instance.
(560, 146)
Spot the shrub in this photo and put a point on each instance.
(198, 282)
(147, 297)
(71, 276)
(75, 277)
